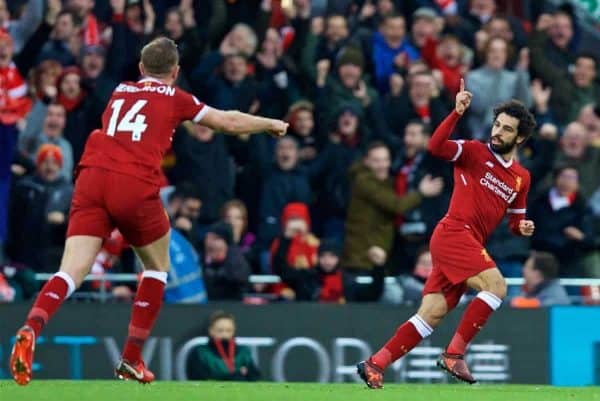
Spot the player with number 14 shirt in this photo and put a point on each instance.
(117, 186)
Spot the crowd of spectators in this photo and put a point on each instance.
(351, 191)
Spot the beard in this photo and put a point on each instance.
(503, 147)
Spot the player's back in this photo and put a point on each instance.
(486, 187)
(137, 127)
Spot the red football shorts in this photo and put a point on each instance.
(456, 256)
(104, 200)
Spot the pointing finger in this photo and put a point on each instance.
(462, 84)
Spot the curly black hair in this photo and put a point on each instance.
(516, 109)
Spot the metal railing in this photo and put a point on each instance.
(274, 279)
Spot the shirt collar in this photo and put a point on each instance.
(500, 159)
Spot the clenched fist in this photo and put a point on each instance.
(278, 128)
(526, 227)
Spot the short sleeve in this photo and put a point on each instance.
(188, 107)
(466, 151)
(519, 205)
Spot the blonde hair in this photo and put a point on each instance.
(237, 204)
(160, 56)
(249, 35)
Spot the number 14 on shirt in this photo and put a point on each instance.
(132, 121)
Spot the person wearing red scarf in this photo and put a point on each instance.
(70, 93)
(331, 287)
(294, 254)
(72, 96)
(222, 358)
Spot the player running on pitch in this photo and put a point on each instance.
(117, 186)
(488, 183)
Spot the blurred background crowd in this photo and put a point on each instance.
(351, 195)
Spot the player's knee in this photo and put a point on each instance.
(77, 272)
(433, 312)
(165, 269)
(497, 287)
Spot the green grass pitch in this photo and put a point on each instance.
(59, 390)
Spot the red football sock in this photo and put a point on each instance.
(474, 318)
(406, 338)
(146, 306)
(52, 295)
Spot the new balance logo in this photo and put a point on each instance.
(489, 164)
(142, 304)
(52, 295)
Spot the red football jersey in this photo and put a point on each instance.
(486, 187)
(137, 128)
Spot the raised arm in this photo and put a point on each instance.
(439, 145)
(238, 123)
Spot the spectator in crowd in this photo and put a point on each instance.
(73, 97)
(541, 281)
(329, 171)
(326, 46)
(372, 13)
(563, 225)
(235, 213)
(287, 182)
(497, 83)
(329, 273)
(21, 29)
(183, 207)
(301, 118)
(425, 24)
(180, 25)
(409, 288)
(242, 38)
(277, 88)
(589, 117)
(446, 57)
(90, 26)
(202, 158)
(415, 226)
(538, 154)
(571, 92)
(500, 27)
(552, 44)
(17, 283)
(14, 105)
(222, 358)
(575, 150)
(294, 254)
(97, 83)
(52, 133)
(39, 208)
(373, 207)
(45, 76)
(347, 88)
(231, 89)
(391, 49)
(63, 40)
(226, 271)
(184, 283)
(419, 101)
